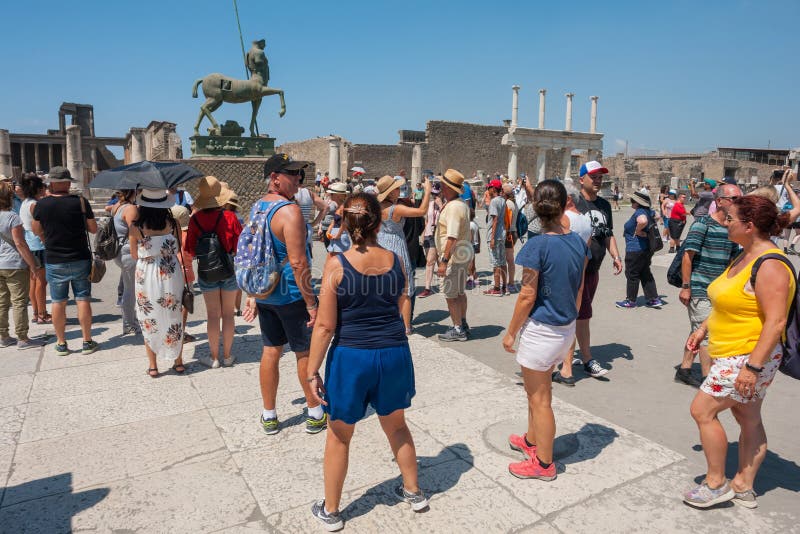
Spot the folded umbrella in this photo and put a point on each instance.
(146, 174)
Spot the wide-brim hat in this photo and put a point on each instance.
(454, 180)
(387, 184)
(59, 174)
(641, 199)
(229, 196)
(181, 214)
(210, 194)
(155, 198)
(337, 188)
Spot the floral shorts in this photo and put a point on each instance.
(723, 373)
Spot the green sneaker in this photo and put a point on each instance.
(61, 349)
(89, 347)
(270, 426)
(315, 426)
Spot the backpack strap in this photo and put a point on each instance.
(770, 256)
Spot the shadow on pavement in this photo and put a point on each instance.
(485, 331)
(48, 504)
(436, 475)
(611, 351)
(430, 316)
(585, 444)
(775, 472)
(76, 334)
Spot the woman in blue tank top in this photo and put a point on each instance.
(368, 361)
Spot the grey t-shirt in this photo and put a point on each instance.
(497, 208)
(9, 257)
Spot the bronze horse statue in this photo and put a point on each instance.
(218, 88)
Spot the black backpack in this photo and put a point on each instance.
(213, 261)
(790, 360)
(107, 243)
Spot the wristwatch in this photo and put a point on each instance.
(442, 259)
(684, 286)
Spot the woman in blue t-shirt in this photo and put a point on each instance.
(638, 256)
(552, 263)
(360, 330)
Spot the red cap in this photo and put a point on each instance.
(497, 184)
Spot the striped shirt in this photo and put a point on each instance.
(713, 252)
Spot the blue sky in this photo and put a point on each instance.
(675, 76)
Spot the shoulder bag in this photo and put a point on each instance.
(98, 270)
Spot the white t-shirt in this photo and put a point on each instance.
(579, 224)
(475, 233)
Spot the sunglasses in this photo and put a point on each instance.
(301, 173)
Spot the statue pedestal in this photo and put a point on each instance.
(206, 146)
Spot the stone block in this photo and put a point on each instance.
(14, 389)
(205, 496)
(93, 457)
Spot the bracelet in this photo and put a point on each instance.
(313, 377)
(753, 367)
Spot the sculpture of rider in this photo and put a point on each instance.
(257, 62)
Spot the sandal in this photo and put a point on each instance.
(45, 318)
(179, 368)
(153, 372)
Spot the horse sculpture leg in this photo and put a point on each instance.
(269, 91)
(256, 104)
(208, 107)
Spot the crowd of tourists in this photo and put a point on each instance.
(735, 285)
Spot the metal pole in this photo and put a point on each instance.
(244, 54)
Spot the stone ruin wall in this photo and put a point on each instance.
(463, 146)
(630, 173)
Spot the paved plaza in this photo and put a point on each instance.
(90, 443)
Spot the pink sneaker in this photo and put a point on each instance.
(532, 469)
(517, 443)
(425, 293)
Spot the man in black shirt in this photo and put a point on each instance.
(62, 220)
(598, 211)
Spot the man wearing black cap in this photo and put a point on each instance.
(287, 315)
(61, 221)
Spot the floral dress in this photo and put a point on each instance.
(159, 286)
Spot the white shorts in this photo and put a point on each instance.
(724, 371)
(541, 346)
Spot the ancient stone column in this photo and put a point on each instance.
(137, 145)
(74, 156)
(541, 163)
(512, 162)
(37, 163)
(568, 125)
(22, 161)
(5, 154)
(416, 164)
(514, 105)
(542, 92)
(49, 155)
(567, 162)
(593, 121)
(333, 158)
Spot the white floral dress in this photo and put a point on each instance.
(159, 286)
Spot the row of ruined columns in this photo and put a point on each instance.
(541, 151)
(72, 154)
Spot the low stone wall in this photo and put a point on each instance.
(243, 175)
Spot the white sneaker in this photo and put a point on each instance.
(227, 362)
(207, 361)
(215, 364)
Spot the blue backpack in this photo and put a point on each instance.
(257, 268)
(522, 225)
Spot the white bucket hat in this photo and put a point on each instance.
(155, 198)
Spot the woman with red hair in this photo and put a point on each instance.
(748, 317)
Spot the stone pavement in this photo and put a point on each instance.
(90, 443)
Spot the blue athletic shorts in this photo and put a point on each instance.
(354, 378)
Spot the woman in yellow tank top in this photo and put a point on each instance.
(744, 329)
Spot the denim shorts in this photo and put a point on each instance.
(60, 275)
(356, 378)
(229, 284)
